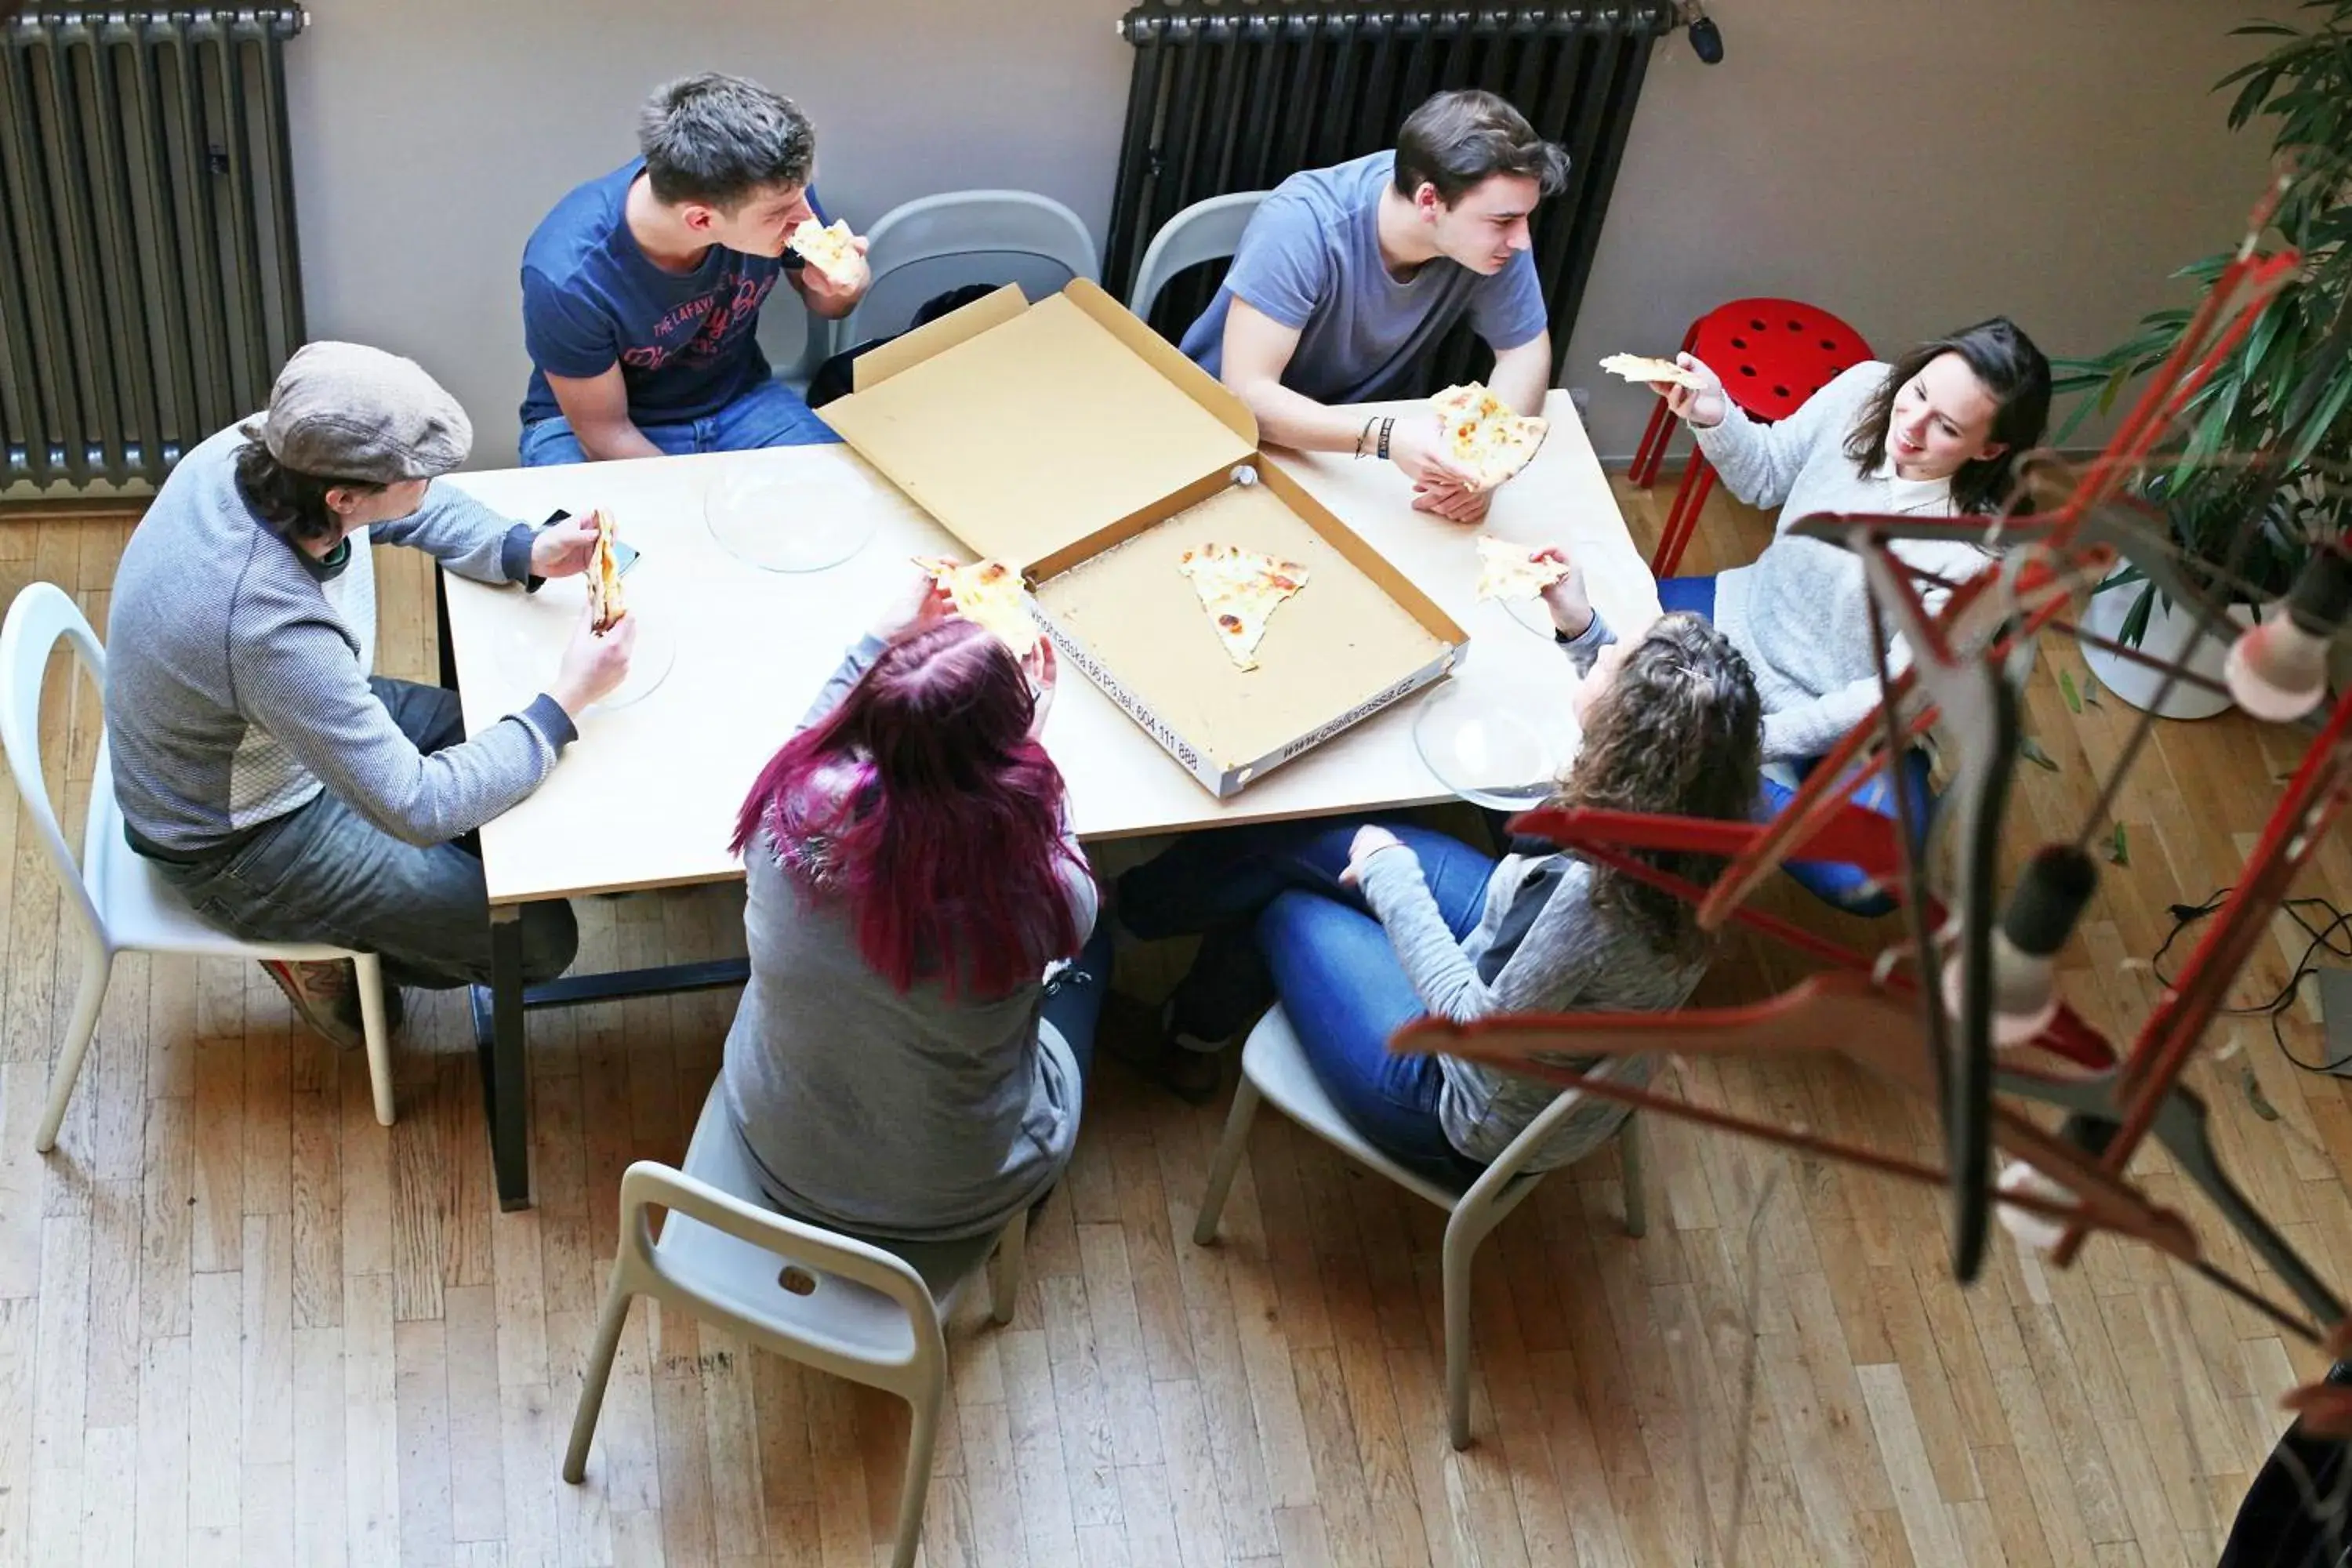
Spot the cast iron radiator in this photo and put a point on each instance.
(149, 285)
(1234, 97)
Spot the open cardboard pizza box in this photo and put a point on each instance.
(1070, 440)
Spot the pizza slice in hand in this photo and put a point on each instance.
(1484, 437)
(1241, 589)
(606, 605)
(832, 250)
(989, 595)
(1508, 571)
(1642, 368)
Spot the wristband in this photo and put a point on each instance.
(1386, 427)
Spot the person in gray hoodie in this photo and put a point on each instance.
(901, 1067)
(290, 793)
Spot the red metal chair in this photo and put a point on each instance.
(1772, 356)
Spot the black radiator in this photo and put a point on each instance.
(149, 284)
(1236, 97)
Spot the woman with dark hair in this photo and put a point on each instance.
(1361, 927)
(1937, 433)
(901, 1067)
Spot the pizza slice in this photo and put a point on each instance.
(989, 595)
(1508, 571)
(1642, 368)
(606, 605)
(1484, 436)
(831, 250)
(1241, 589)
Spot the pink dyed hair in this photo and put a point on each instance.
(933, 815)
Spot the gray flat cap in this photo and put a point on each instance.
(345, 411)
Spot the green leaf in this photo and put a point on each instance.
(2119, 848)
(2031, 750)
(2067, 689)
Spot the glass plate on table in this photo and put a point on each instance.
(1532, 614)
(650, 662)
(1486, 751)
(796, 519)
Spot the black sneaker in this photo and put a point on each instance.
(1193, 1070)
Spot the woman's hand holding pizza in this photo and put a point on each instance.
(594, 667)
(1044, 672)
(1567, 600)
(564, 549)
(921, 602)
(1700, 407)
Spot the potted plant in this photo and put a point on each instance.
(2286, 391)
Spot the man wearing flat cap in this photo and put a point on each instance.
(288, 792)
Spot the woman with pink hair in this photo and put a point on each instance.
(902, 1066)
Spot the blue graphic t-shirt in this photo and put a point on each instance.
(684, 341)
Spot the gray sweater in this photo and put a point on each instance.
(1571, 955)
(1799, 613)
(903, 1115)
(237, 665)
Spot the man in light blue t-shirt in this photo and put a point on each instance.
(641, 291)
(1348, 278)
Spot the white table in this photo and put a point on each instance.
(753, 646)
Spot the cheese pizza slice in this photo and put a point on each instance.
(831, 250)
(1241, 589)
(1484, 436)
(989, 595)
(1508, 571)
(1642, 368)
(605, 603)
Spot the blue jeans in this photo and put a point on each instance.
(1276, 923)
(1847, 887)
(769, 414)
(1074, 1005)
(324, 873)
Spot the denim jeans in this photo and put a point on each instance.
(324, 873)
(1847, 887)
(1274, 922)
(1074, 1001)
(769, 414)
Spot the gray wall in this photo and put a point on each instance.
(1911, 164)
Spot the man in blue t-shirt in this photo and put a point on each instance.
(641, 291)
(1348, 278)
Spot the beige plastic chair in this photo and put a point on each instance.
(1201, 232)
(114, 894)
(1274, 1068)
(796, 1289)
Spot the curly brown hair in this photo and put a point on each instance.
(1679, 731)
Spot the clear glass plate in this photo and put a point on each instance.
(650, 662)
(1486, 753)
(1531, 613)
(800, 522)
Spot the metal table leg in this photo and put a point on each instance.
(505, 1087)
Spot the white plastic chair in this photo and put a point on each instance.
(1201, 232)
(973, 223)
(121, 905)
(835, 1303)
(1275, 1068)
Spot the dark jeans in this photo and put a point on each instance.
(324, 873)
(1274, 922)
(769, 414)
(1847, 887)
(1074, 1004)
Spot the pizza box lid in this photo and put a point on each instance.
(1032, 431)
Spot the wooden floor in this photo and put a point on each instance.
(241, 1324)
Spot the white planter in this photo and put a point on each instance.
(2168, 630)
